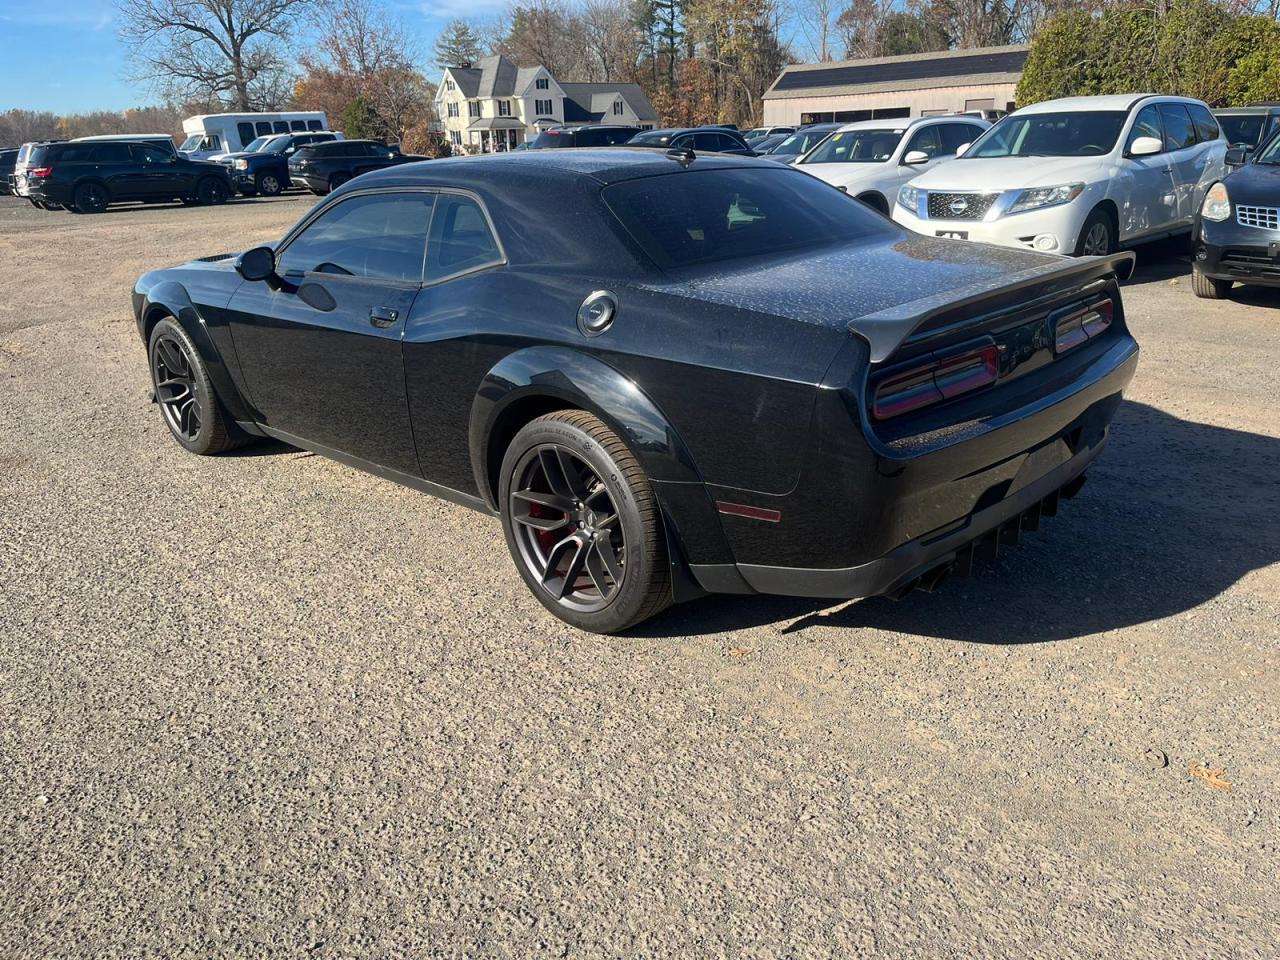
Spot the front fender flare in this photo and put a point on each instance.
(533, 376)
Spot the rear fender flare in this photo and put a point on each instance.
(537, 379)
(170, 299)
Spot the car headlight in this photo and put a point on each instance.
(908, 196)
(1039, 197)
(242, 164)
(1217, 205)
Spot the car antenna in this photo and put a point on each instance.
(683, 155)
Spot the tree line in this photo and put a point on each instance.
(699, 61)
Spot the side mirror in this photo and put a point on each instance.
(1236, 156)
(914, 157)
(257, 264)
(962, 148)
(1145, 147)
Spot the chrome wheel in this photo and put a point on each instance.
(567, 528)
(1097, 242)
(175, 383)
(268, 185)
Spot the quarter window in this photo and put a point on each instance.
(460, 238)
(380, 236)
(1147, 124)
(1178, 132)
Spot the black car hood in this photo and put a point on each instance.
(1257, 184)
(875, 287)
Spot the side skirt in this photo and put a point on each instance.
(405, 479)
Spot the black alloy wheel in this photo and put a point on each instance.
(91, 198)
(211, 191)
(582, 523)
(188, 404)
(267, 184)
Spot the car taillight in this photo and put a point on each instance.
(39, 171)
(939, 379)
(1075, 328)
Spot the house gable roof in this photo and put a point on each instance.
(588, 102)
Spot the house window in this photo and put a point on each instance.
(453, 109)
(542, 83)
(449, 85)
(542, 108)
(455, 137)
(617, 108)
(473, 108)
(504, 108)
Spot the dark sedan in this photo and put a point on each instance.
(726, 377)
(1236, 234)
(322, 167)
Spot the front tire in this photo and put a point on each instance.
(211, 192)
(268, 185)
(188, 404)
(1209, 288)
(1097, 236)
(582, 523)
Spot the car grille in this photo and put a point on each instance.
(960, 206)
(1256, 263)
(1266, 217)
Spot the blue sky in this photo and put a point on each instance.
(64, 55)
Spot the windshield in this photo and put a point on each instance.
(258, 145)
(799, 142)
(1073, 134)
(856, 146)
(1243, 130)
(708, 216)
(192, 142)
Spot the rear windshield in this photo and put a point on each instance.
(550, 139)
(706, 216)
(856, 146)
(1068, 134)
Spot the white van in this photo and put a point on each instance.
(211, 135)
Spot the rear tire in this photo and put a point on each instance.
(91, 198)
(337, 180)
(582, 523)
(1209, 288)
(188, 404)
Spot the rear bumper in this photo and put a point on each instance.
(1229, 251)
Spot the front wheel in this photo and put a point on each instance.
(1097, 236)
(188, 404)
(1208, 288)
(210, 192)
(582, 523)
(268, 184)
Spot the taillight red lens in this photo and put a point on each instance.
(39, 171)
(1075, 328)
(940, 379)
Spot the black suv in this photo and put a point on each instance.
(1249, 127)
(87, 177)
(586, 135)
(322, 167)
(8, 159)
(698, 139)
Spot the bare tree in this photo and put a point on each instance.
(817, 28)
(230, 50)
(612, 40)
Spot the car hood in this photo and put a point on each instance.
(1257, 184)
(858, 285)
(843, 174)
(1009, 173)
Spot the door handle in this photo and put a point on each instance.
(383, 316)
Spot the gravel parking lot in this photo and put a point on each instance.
(266, 705)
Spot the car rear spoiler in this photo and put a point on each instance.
(886, 330)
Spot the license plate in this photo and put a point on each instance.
(954, 234)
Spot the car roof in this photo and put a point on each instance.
(132, 137)
(903, 123)
(1123, 101)
(1253, 110)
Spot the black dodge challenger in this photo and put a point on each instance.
(670, 375)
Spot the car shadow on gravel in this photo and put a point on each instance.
(1174, 513)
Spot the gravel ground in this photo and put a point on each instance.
(266, 705)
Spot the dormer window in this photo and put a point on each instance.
(449, 84)
(542, 83)
(617, 108)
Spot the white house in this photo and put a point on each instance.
(494, 105)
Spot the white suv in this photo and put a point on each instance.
(871, 159)
(1076, 176)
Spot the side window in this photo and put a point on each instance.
(682, 143)
(460, 238)
(1147, 124)
(314, 125)
(213, 142)
(112, 153)
(148, 154)
(1206, 126)
(708, 141)
(297, 125)
(246, 133)
(926, 139)
(379, 236)
(1178, 132)
(956, 135)
(263, 128)
(75, 152)
(280, 126)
